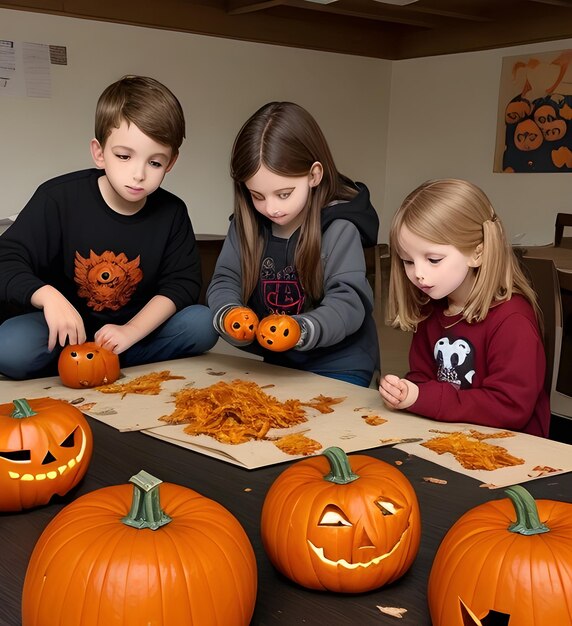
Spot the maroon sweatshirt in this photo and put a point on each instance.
(489, 373)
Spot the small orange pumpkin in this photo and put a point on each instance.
(45, 449)
(241, 323)
(338, 523)
(122, 556)
(496, 565)
(278, 332)
(87, 365)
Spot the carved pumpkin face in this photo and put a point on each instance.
(87, 365)
(508, 557)
(241, 323)
(344, 531)
(492, 618)
(278, 332)
(517, 109)
(527, 136)
(45, 449)
(553, 127)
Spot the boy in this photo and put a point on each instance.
(106, 253)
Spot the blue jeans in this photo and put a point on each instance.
(24, 343)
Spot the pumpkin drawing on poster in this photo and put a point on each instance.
(534, 127)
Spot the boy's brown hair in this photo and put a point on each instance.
(144, 102)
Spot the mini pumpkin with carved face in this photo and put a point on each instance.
(349, 530)
(278, 332)
(87, 365)
(45, 449)
(241, 323)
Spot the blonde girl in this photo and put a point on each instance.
(477, 354)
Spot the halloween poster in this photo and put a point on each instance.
(534, 129)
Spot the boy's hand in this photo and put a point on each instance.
(116, 338)
(398, 393)
(63, 320)
(240, 324)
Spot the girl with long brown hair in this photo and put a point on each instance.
(295, 248)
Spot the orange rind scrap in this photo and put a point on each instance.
(297, 444)
(234, 412)
(322, 403)
(148, 384)
(374, 420)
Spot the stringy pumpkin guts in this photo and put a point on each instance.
(148, 384)
(233, 412)
(472, 452)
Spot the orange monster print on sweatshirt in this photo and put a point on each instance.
(106, 280)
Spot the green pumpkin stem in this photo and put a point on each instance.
(340, 470)
(146, 509)
(22, 409)
(527, 519)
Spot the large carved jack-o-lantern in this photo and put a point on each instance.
(45, 449)
(341, 524)
(498, 567)
(87, 365)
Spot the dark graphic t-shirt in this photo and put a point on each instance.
(279, 288)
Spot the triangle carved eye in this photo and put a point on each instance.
(333, 516)
(386, 507)
(69, 441)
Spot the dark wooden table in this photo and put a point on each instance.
(118, 456)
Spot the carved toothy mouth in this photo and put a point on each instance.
(53, 473)
(343, 563)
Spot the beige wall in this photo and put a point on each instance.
(391, 125)
(442, 123)
(220, 84)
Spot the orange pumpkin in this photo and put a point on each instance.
(527, 135)
(241, 323)
(278, 332)
(553, 127)
(45, 449)
(122, 556)
(341, 524)
(494, 564)
(87, 365)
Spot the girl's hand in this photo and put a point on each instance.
(116, 338)
(398, 393)
(63, 320)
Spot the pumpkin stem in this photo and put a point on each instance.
(527, 519)
(146, 509)
(22, 409)
(340, 470)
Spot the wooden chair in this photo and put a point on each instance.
(550, 286)
(544, 279)
(562, 220)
